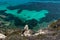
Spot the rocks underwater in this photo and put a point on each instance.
(53, 9)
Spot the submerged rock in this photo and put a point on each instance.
(32, 23)
(2, 11)
(18, 22)
(9, 17)
(19, 11)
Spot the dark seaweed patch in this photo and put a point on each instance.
(37, 6)
(49, 17)
(19, 11)
(18, 22)
(32, 23)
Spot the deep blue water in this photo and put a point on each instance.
(25, 1)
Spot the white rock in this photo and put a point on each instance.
(26, 27)
(2, 36)
(36, 34)
(41, 31)
(27, 31)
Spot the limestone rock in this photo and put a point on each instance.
(2, 36)
(27, 31)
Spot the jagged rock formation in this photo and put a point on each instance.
(27, 34)
(2, 36)
(27, 31)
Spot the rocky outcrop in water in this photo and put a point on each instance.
(49, 33)
(27, 31)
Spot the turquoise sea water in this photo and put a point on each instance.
(31, 14)
(43, 16)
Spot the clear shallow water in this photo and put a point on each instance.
(27, 15)
(42, 16)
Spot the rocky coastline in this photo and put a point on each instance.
(9, 29)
